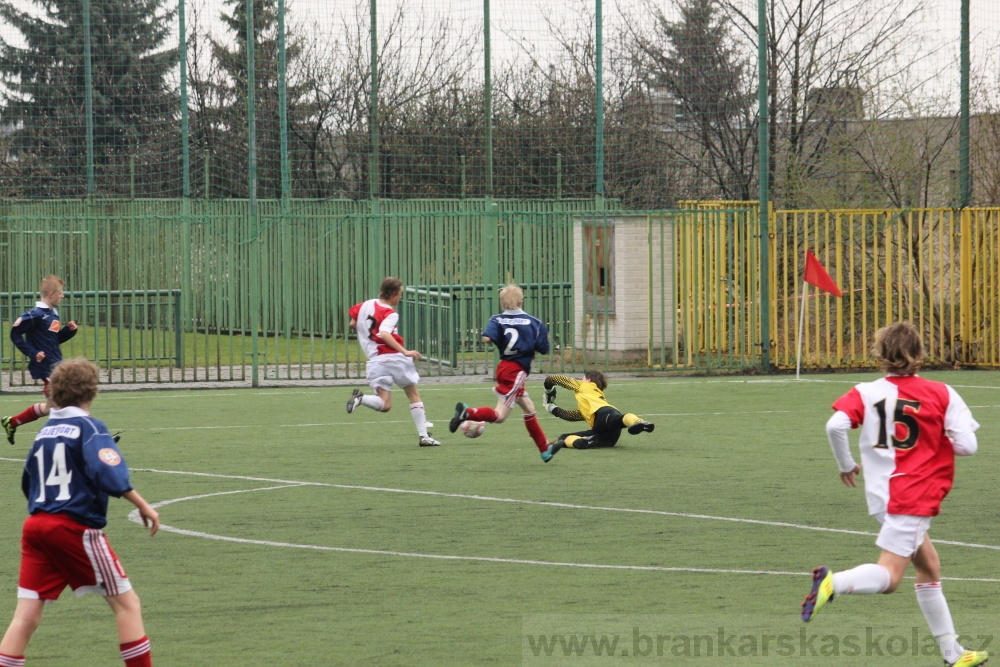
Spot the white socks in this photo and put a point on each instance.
(867, 579)
(372, 401)
(931, 599)
(870, 579)
(419, 418)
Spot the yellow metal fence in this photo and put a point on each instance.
(937, 268)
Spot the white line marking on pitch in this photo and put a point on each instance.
(547, 503)
(287, 484)
(134, 517)
(542, 503)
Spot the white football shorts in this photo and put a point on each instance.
(387, 369)
(902, 534)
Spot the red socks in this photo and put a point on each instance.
(26, 417)
(481, 414)
(535, 431)
(137, 653)
(530, 423)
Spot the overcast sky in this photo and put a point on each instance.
(521, 28)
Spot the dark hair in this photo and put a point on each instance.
(389, 288)
(597, 377)
(74, 382)
(899, 348)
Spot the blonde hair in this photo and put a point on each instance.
(899, 348)
(74, 383)
(51, 285)
(511, 297)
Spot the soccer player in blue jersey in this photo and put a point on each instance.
(71, 470)
(518, 336)
(38, 333)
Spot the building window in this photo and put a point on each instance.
(599, 266)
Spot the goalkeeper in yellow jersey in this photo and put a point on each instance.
(606, 421)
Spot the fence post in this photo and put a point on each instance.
(373, 167)
(491, 252)
(187, 320)
(599, 101)
(182, 58)
(965, 189)
(89, 95)
(286, 253)
(764, 208)
(488, 97)
(178, 331)
(253, 227)
(965, 285)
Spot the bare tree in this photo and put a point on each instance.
(706, 77)
(824, 58)
(423, 67)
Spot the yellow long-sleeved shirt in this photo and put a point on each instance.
(589, 399)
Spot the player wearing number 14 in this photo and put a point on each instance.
(71, 470)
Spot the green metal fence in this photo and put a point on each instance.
(264, 296)
(445, 323)
(135, 335)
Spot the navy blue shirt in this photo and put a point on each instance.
(518, 336)
(39, 330)
(73, 467)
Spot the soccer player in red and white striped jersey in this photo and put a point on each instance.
(389, 362)
(911, 431)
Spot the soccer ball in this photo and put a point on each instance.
(471, 429)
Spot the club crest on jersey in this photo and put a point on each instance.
(54, 326)
(110, 456)
(18, 321)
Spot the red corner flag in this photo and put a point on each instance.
(817, 276)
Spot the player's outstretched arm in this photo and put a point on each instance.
(567, 415)
(150, 517)
(562, 381)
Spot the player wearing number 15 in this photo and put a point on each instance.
(911, 431)
(71, 470)
(518, 336)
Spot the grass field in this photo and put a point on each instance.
(299, 535)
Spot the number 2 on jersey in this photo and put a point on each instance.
(58, 475)
(901, 417)
(511, 334)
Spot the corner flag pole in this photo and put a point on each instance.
(802, 321)
(814, 274)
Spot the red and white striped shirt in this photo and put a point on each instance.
(911, 430)
(373, 316)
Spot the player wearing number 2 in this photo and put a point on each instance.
(911, 431)
(71, 470)
(518, 336)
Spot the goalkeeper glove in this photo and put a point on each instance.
(550, 395)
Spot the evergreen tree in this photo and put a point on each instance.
(44, 96)
(232, 60)
(714, 92)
